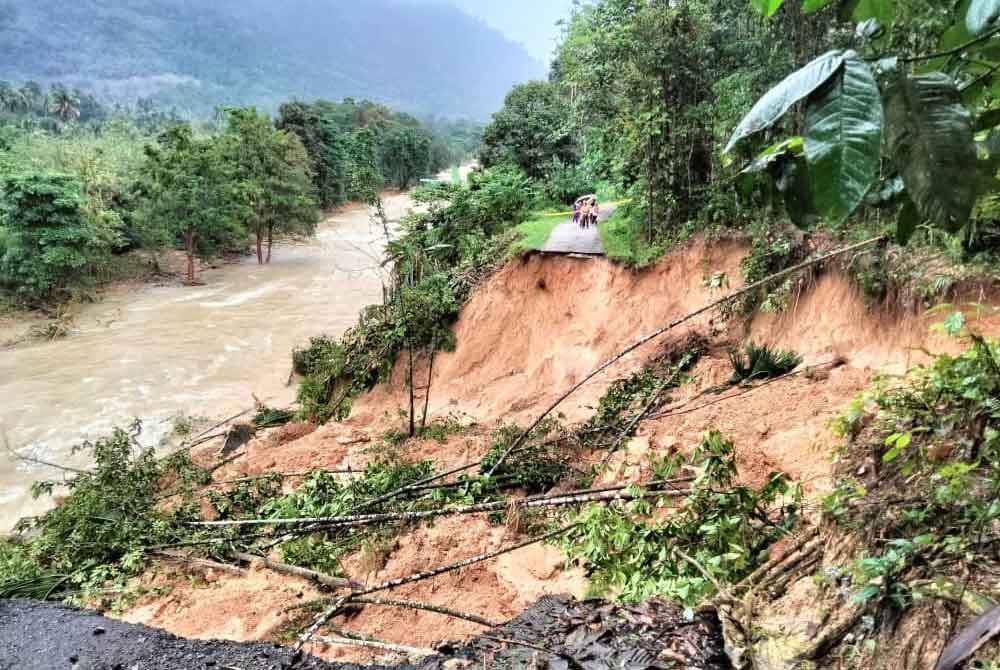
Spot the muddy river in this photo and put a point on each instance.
(165, 351)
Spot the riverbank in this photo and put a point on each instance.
(168, 353)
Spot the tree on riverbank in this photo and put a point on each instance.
(45, 241)
(274, 178)
(188, 191)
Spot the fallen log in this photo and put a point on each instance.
(375, 644)
(295, 571)
(555, 500)
(427, 607)
(975, 635)
(199, 561)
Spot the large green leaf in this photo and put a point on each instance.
(767, 7)
(982, 16)
(843, 139)
(779, 99)
(929, 136)
(793, 182)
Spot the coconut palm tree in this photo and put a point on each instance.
(12, 99)
(33, 98)
(6, 96)
(64, 104)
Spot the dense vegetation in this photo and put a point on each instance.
(423, 57)
(651, 99)
(646, 101)
(81, 185)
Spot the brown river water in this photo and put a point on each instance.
(163, 351)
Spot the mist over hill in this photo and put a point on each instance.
(422, 57)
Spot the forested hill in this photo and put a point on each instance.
(416, 55)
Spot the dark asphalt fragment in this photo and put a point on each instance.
(558, 633)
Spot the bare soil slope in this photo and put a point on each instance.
(532, 331)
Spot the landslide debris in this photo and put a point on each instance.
(557, 633)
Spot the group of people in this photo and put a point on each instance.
(586, 211)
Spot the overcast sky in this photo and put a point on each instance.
(530, 22)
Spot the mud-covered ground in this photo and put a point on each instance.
(557, 633)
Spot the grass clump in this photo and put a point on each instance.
(761, 362)
(722, 528)
(534, 232)
(624, 240)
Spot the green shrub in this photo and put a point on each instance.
(101, 530)
(535, 467)
(723, 527)
(926, 505)
(46, 243)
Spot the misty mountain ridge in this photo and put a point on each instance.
(420, 56)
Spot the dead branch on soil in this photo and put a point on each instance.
(638, 418)
(197, 439)
(376, 644)
(199, 562)
(983, 629)
(670, 326)
(295, 571)
(609, 494)
(676, 410)
(427, 607)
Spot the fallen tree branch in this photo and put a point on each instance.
(376, 644)
(437, 609)
(38, 461)
(670, 326)
(199, 561)
(295, 571)
(547, 500)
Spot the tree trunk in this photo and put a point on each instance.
(270, 241)
(189, 246)
(260, 246)
(413, 424)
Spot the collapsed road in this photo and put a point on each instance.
(557, 633)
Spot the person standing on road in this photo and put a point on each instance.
(585, 213)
